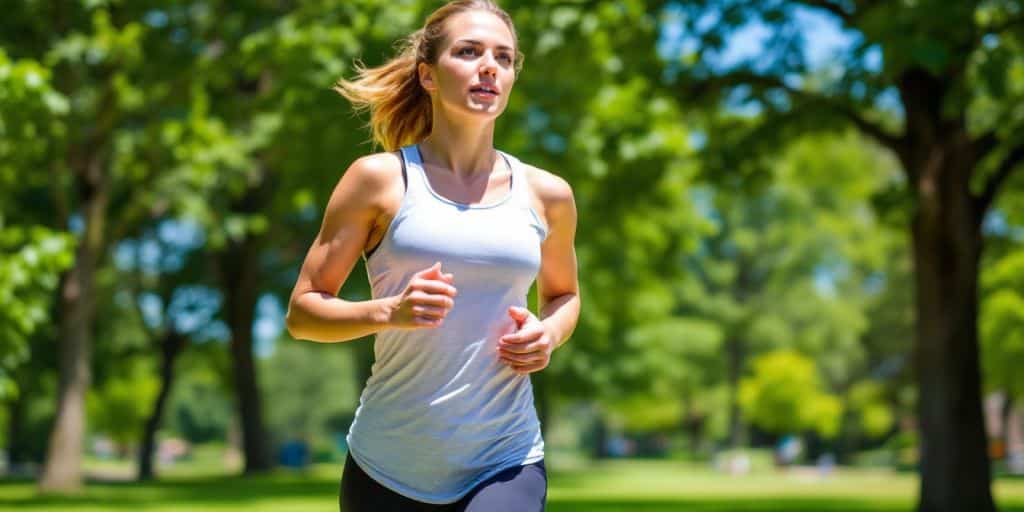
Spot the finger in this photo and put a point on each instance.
(426, 322)
(435, 287)
(520, 359)
(429, 312)
(418, 298)
(520, 315)
(527, 368)
(434, 272)
(522, 336)
(524, 348)
(448, 278)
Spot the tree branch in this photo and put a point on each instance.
(832, 8)
(997, 28)
(1013, 159)
(745, 77)
(984, 145)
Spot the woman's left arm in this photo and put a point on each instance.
(557, 284)
(529, 348)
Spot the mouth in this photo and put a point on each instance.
(485, 91)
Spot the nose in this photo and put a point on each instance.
(488, 64)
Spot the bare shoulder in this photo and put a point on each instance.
(377, 169)
(553, 195)
(549, 188)
(370, 181)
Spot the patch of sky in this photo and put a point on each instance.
(184, 234)
(553, 143)
(697, 139)
(76, 224)
(703, 200)
(827, 44)
(268, 324)
(152, 308)
(193, 307)
(996, 224)
(216, 331)
(825, 280)
(156, 18)
(874, 283)
(889, 100)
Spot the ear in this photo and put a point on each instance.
(426, 76)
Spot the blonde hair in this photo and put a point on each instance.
(400, 109)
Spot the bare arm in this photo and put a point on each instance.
(315, 312)
(558, 283)
(529, 348)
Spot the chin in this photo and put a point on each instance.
(485, 110)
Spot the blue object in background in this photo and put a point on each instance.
(294, 454)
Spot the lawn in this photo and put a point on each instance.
(612, 486)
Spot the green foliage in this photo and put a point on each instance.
(786, 395)
(1002, 324)
(121, 404)
(30, 115)
(874, 416)
(309, 390)
(31, 261)
(200, 408)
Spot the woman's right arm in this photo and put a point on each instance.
(315, 312)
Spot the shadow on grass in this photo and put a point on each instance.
(734, 505)
(193, 494)
(717, 505)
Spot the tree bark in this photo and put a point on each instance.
(171, 346)
(947, 244)
(62, 470)
(17, 449)
(734, 353)
(239, 267)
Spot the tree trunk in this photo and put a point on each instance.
(171, 346)
(17, 448)
(734, 353)
(240, 273)
(947, 244)
(62, 470)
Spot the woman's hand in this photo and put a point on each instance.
(427, 298)
(529, 348)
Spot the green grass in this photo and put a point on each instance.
(613, 486)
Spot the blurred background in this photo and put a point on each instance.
(800, 234)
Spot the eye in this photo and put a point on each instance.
(466, 51)
(505, 57)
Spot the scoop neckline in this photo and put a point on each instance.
(476, 206)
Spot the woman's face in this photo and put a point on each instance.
(475, 68)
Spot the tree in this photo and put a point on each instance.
(786, 395)
(946, 66)
(33, 255)
(110, 163)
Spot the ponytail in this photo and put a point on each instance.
(400, 109)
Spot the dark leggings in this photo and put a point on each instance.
(518, 489)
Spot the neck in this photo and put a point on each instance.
(465, 148)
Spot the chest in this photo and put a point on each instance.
(480, 246)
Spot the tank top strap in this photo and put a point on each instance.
(520, 188)
(416, 186)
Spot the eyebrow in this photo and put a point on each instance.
(478, 43)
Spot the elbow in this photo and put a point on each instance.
(293, 322)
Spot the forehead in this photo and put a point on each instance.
(481, 26)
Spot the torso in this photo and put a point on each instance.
(442, 181)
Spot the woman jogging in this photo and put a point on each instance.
(454, 233)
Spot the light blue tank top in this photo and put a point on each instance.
(440, 413)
